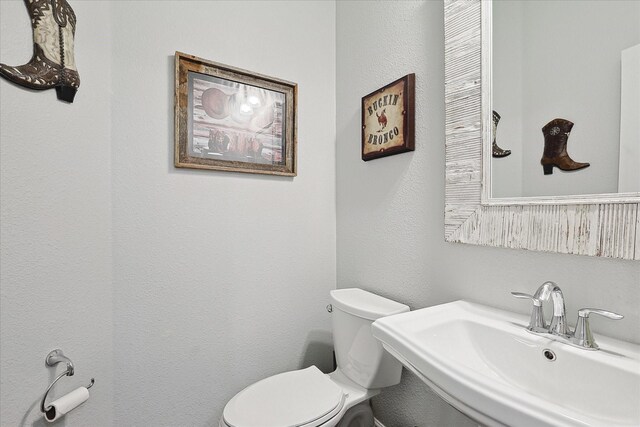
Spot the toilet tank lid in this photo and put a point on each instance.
(364, 304)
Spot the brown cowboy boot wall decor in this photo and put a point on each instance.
(53, 63)
(495, 150)
(556, 134)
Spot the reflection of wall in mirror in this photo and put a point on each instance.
(629, 170)
(505, 170)
(559, 59)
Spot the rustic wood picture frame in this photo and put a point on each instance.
(604, 225)
(230, 119)
(385, 134)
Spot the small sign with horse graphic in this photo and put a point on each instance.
(388, 119)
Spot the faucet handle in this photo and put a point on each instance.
(536, 322)
(585, 312)
(536, 301)
(582, 335)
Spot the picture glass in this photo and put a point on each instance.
(232, 121)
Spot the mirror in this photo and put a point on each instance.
(570, 212)
(565, 83)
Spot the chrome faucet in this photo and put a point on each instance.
(582, 336)
(558, 324)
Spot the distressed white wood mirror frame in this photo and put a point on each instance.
(606, 225)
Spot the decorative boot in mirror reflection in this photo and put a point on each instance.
(556, 134)
(495, 150)
(53, 62)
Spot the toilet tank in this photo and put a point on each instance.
(359, 355)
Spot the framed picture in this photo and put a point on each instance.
(233, 120)
(388, 119)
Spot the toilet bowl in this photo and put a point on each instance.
(309, 398)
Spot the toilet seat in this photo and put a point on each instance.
(303, 398)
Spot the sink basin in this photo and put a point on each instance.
(483, 362)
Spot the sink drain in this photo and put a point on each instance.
(549, 355)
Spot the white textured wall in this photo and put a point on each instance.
(221, 279)
(55, 226)
(390, 211)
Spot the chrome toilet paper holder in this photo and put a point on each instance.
(53, 358)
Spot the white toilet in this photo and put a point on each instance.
(309, 398)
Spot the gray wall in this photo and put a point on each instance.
(174, 288)
(390, 211)
(55, 226)
(221, 279)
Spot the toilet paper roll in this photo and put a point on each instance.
(59, 407)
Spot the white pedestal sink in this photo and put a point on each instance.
(483, 362)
